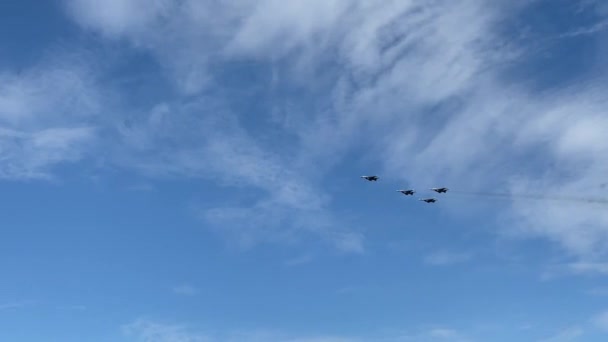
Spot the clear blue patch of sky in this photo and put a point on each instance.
(28, 28)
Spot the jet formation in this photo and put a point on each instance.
(411, 192)
(541, 197)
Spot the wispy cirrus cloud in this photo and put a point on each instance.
(588, 267)
(569, 334)
(434, 334)
(147, 331)
(600, 321)
(46, 116)
(16, 305)
(578, 268)
(206, 141)
(435, 75)
(400, 35)
(588, 329)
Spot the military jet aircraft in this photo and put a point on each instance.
(407, 192)
(440, 190)
(370, 178)
(428, 200)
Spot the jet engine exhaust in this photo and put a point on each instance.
(534, 197)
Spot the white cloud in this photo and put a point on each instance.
(29, 155)
(271, 221)
(279, 27)
(598, 27)
(183, 35)
(204, 140)
(119, 17)
(45, 116)
(568, 129)
(59, 87)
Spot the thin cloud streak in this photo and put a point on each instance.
(443, 258)
(150, 331)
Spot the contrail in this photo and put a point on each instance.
(534, 197)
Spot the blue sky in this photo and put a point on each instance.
(187, 171)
